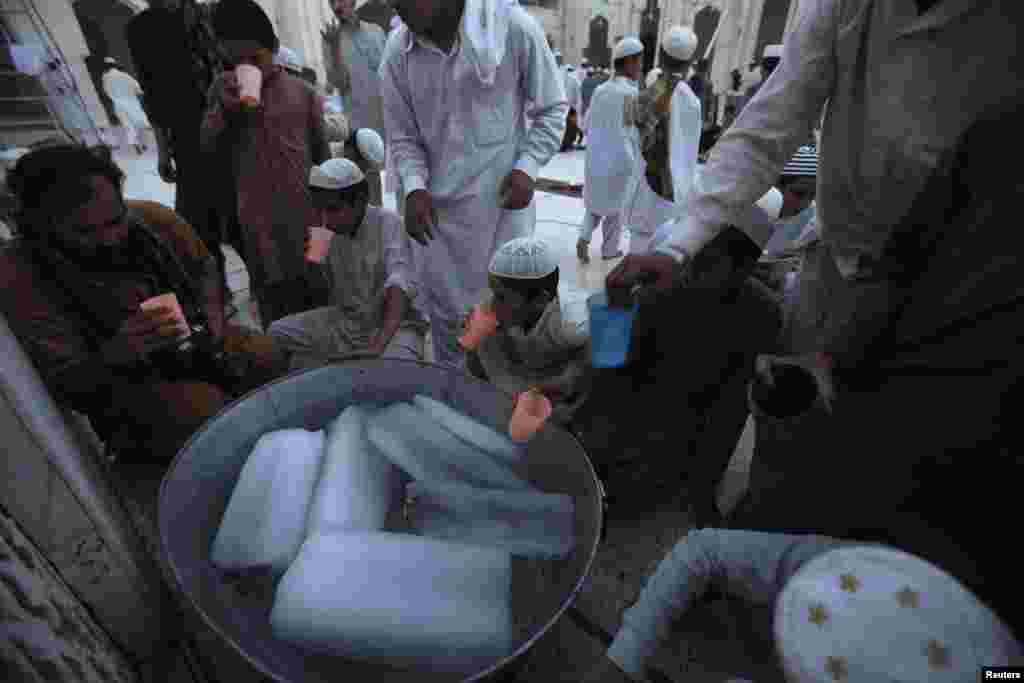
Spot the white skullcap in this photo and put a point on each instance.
(335, 174)
(771, 203)
(772, 51)
(868, 614)
(680, 42)
(524, 258)
(396, 21)
(627, 47)
(288, 58)
(370, 146)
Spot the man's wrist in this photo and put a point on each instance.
(529, 166)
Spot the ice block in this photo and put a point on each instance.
(525, 523)
(469, 430)
(358, 485)
(265, 521)
(410, 601)
(416, 443)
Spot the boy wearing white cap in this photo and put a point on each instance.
(843, 611)
(542, 338)
(613, 150)
(373, 276)
(669, 118)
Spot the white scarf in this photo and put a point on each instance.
(485, 34)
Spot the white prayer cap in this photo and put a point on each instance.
(627, 47)
(396, 21)
(524, 258)
(771, 203)
(868, 613)
(680, 42)
(772, 51)
(288, 58)
(370, 146)
(335, 174)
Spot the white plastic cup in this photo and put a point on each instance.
(250, 83)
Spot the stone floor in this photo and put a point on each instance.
(706, 649)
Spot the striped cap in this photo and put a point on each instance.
(803, 164)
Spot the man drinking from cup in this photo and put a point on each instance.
(270, 125)
(119, 305)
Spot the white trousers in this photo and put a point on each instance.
(612, 225)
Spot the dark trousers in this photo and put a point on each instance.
(573, 135)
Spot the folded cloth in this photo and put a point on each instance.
(265, 521)
(426, 451)
(524, 523)
(358, 485)
(405, 600)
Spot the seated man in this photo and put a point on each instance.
(373, 276)
(71, 288)
(842, 611)
(798, 183)
(542, 341)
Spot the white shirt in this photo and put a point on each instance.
(451, 136)
(613, 147)
(572, 90)
(901, 89)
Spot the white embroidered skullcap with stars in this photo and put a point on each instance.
(865, 614)
(335, 174)
(627, 47)
(370, 146)
(524, 258)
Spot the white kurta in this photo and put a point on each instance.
(458, 139)
(572, 91)
(648, 211)
(124, 91)
(613, 147)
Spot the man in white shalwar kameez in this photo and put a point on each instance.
(456, 83)
(669, 119)
(613, 151)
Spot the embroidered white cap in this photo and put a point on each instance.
(771, 203)
(370, 146)
(771, 51)
(335, 174)
(627, 47)
(869, 613)
(679, 42)
(524, 258)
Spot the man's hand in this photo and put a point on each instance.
(420, 217)
(141, 334)
(165, 167)
(516, 191)
(230, 92)
(659, 270)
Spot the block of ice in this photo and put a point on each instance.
(525, 523)
(358, 485)
(407, 600)
(469, 430)
(414, 441)
(265, 521)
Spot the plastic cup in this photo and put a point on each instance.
(530, 412)
(169, 300)
(319, 244)
(482, 323)
(610, 330)
(250, 82)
